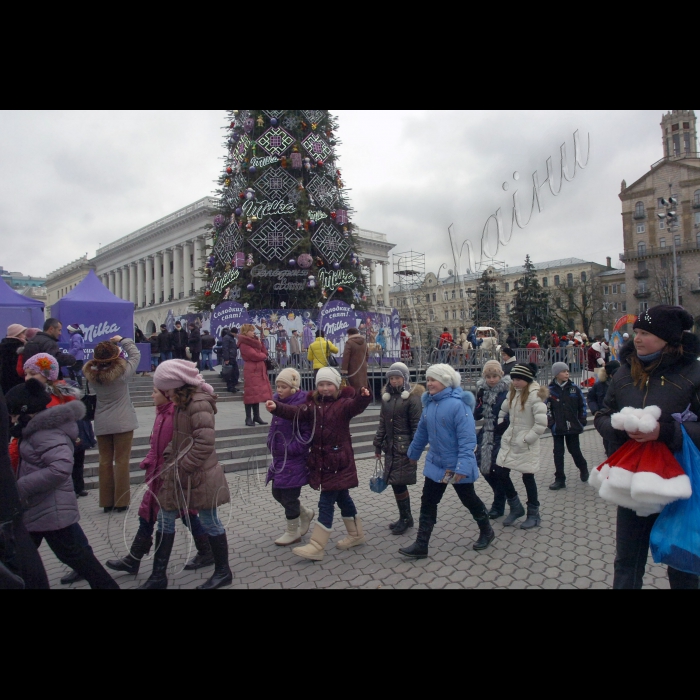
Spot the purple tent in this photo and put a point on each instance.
(16, 308)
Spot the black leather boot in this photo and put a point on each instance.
(516, 511)
(131, 563)
(405, 521)
(256, 415)
(498, 508)
(159, 579)
(223, 576)
(204, 556)
(72, 577)
(419, 550)
(487, 533)
(533, 518)
(558, 484)
(249, 415)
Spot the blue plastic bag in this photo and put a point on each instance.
(675, 537)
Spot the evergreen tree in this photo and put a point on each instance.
(529, 314)
(283, 232)
(487, 310)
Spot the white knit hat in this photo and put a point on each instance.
(291, 378)
(444, 374)
(328, 374)
(399, 369)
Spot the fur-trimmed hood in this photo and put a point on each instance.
(55, 418)
(66, 390)
(465, 396)
(113, 370)
(691, 352)
(418, 390)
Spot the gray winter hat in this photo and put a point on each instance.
(558, 368)
(399, 369)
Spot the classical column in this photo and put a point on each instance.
(125, 283)
(112, 284)
(149, 281)
(386, 284)
(167, 277)
(140, 286)
(177, 271)
(186, 255)
(132, 283)
(373, 281)
(157, 264)
(198, 244)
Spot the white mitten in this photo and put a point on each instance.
(650, 419)
(618, 419)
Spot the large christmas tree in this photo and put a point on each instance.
(282, 235)
(529, 312)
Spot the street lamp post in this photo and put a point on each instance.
(671, 218)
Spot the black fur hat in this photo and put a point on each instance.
(28, 398)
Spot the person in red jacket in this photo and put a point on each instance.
(445, 344)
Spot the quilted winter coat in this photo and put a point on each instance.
(46, 464)
(332, 460)
(288, 442)
(398, 423)
(355, 361)
(488, 406)
(256, 382)
(193, 479)
(447, 424)
(161, 437)
(520, 444)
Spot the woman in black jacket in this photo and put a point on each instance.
(597, 393)
(398, 422)
(661, 369)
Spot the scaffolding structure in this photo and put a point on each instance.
(487, 296)
(409, 278)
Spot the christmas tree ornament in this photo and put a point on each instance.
(252, 170)
(251, 287)
(305, 261)
(311, 282)
(249, 125)
(219, 221)
(274, 122)
(239, 211)
(261, 121)
(250, 194)
(292, 263)
(229, 170)
(341, 290)
(249, 261)
(336, 266)
(319, 262)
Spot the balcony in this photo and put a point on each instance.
(641, 275)
(642, 294)
(639, 215)
(651, 251)
(695, 288)
(675, 157)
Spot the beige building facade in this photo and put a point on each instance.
(63, 280)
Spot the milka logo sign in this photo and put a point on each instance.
(93, 332)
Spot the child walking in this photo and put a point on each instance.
(332, 469)
(448, 425)
(520, 445)
(289, 446)
(566, 410)
(161, 436)
(398, 422)
(492, 391)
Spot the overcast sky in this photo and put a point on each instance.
(72, 180)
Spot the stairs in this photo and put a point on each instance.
(239, 449)
(141, 389)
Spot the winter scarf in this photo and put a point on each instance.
(487, 439)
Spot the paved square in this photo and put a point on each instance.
(573, 548)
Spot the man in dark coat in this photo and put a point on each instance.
(46, 342)
(229, 357)
(178, 338)
(194, 342)
(20, 563)
(208, 343)
(8, 356)
(165, 344)
(355, 359)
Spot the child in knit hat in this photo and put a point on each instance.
(447, 424)
(566, 413)
(288, 443)
(328, 411)
(398, 422)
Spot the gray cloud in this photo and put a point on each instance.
(71, 180)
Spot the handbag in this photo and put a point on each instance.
(377, 483)
(227, 371)
(675, 537)
(90, 401)
(271, 365)
(332, 361)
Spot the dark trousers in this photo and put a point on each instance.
(78, 470)
(296, 359)
(572, 444)
(399, 490)
(146, 527)
(633, 533)
(195, 357)
(289, 500)
(326, 506)
(433, 493)
(179, 354)
(233, 379)
(19, 554)
(72, 548)
(499, 480)
(530, 487)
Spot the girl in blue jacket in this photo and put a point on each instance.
(447, 424)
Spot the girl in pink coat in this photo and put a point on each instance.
(161, 437)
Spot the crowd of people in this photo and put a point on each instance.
(46, 423)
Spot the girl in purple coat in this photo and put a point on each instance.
(289, 445)
(332, 469)
(148, 511)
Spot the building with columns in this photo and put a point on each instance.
(157, 267)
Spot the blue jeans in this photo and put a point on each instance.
(209, 521)
(326, 506)
(206, 359)
(193, 522)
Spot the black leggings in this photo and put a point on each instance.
(530, 486)
(399, 490)
(433, 493)
(289, 499)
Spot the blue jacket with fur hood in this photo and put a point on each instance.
(447, 424)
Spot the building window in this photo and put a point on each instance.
(697, 239)
(639, 210)
(461, 314)
(696, 198)
(664, 262)
(557, 301)
(662, 242)
(662, 225)
(675, 127)
(427, 298)
(454, 315)
(454, 294)
(677, 240)
(461, 294)
(432, 316)
(507, 286)
(643, 306)
(624, 307)
(445, 296)
(641, 249)
(606, 291)
(447, 315)
(556, 281)
(434, 296)
(686, 143)
(686, 125)
(570, 280)
(641, 228)
(642, 286)
(614, 289)
(583, 277)
(545, 282)
(676, 144)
